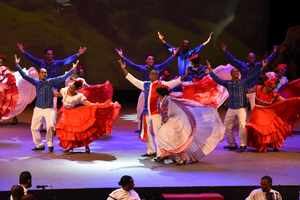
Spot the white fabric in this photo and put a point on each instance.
(258, 194)
(150, 145)
(26, 91)
(121, 194)
(137, 83)
(71, 101)
(282, 82)
(140, 108)
(39, 114)
(229, 122)
(70, 80)
(189, 121)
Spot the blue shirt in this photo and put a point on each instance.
(183, 57)
(237, 89)
(44, 92)
(247, 68)
(54, 68)
(145, 69)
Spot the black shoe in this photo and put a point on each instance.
(51, 149)
(159, 159)
(230, 148)
(242, 149)
(149, 155)
(87, 149)
(38, 148)
(14, 121)
(275, 150)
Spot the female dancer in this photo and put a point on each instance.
(189, 131)
(272, 118)
(80, 122)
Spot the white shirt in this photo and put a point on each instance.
(71, 101)
(121, 194)
(258, 194)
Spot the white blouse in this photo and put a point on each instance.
(71, 101)
(121, 194)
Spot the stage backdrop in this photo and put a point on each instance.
(102, 25)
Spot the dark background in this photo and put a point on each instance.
(102, 25)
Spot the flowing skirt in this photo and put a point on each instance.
(192, 130)
(292, 89)
(269, 126)
(98, 93)
(79, 126)
(16, 93)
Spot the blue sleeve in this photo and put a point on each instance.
(253, 78)
(60, 79)
(240, 65)
(271, 57)
(33, 59)
(169, 47)
(218, 80)
(197, 49)
(164, 64)
(25, 76)
(67, 61)
(140, 68)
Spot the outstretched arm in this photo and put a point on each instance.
(240, 65)
(22, 73)
(214, 76)
(253, 78)
(173, 83)
(33, 59)
(199, 48)
(72, 58)
(164, 64)
(140, 68)
(61, 79)
(271, 57)
(137, 83)
(166, 44)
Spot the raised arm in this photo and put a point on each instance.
(61, 79)
(165, 43)
(137, 83)
(72, 58)
(30, 57)
(214, 76)
(252, 79)
(240, 65)
(22, 73)
(140, 68)
(173, 83)
(272, 56)
(164, 64)
(200, 47)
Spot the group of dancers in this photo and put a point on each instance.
(178, 117)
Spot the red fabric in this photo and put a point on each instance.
(8, 92)
(99, 92)
(205, 85)
(79, 126)
(269, 126)
(204, 196)
(154, 97)
(292, 89)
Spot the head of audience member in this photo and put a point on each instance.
(43, 73)
(251, 58)
(266, 183)
(25, 179)
(153, 75)
(281, 69)
(126, 182)
(28, 197)
(77, 85)
(235, 74)
(162, 92)
(150, 60)
(49, 55)
(185, 45)
(17, 192)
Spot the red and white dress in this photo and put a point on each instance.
(271, 120)
(78, 125)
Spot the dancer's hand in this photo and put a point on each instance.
(264, 63)
(119, 52)
(17, 60)
(275, 48)
(209, 67)
(20, 46)
(81, 50)
(223, 47)
(161, 37)
(208, 39)
(122, 64)
(176, 51)
(75, 65)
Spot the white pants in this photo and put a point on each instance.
(154, 123)
(43, 124)
(229, 120)
(140, 108)
(40, 114)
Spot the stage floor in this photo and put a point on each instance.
(119, 155)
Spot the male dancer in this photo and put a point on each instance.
(249, 67)
(237, 103)
(184, 52)
(44, 104)
(151, 119)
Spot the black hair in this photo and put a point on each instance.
(17, 192)
(78, 84)
(25, 177)
(125, 180)
(268, 178)
(163, 91)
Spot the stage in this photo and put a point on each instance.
(119, 155)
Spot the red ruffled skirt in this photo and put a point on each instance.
(98, 92)
(269, 126)
(77, 127)
(8, 92)
(292, 89)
